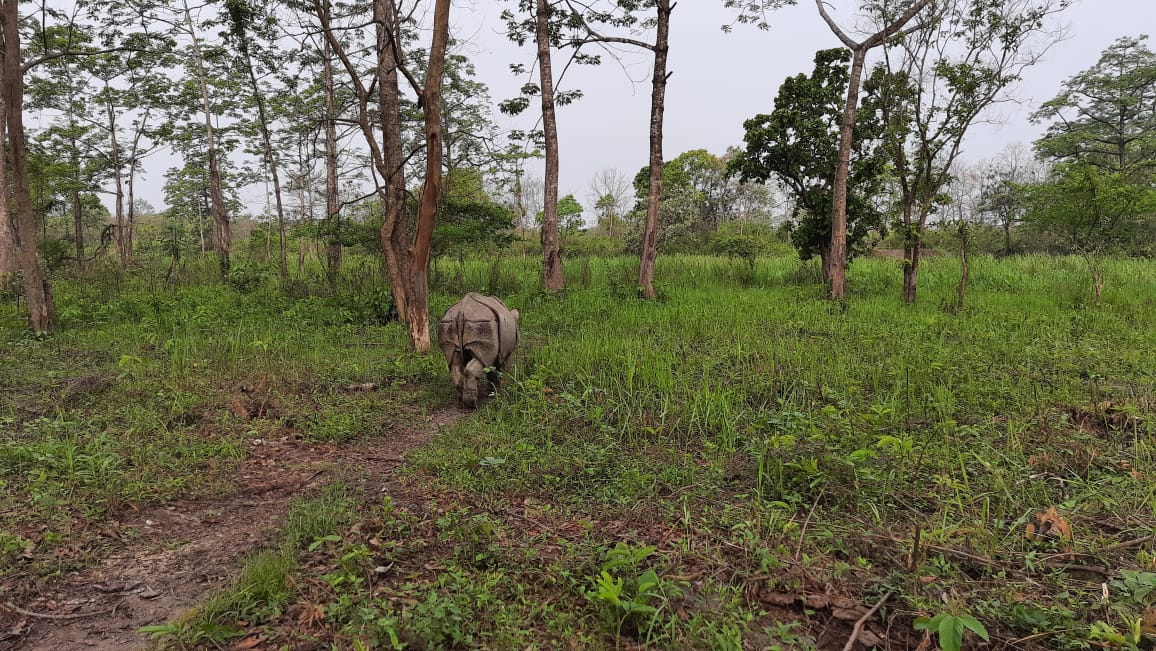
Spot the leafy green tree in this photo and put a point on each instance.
(797, 143)
(60, 87)
(1105, 115)
(882, 13)
(570, 214)
(936, 83)
(469, 219)
(252, 30)
(1093, 210)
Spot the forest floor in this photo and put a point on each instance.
(146, 564)
(179, 553)
(738, 465)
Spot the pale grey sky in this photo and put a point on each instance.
(719, 80)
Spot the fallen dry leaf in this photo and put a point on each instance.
(250, 642)
(1049, 524)
(1148, 621)
(777, 598)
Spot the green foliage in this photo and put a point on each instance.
(1092, 210)
(632, 594)
(1136, 586)
(950, 629)
(1103, 115)
(798, 143)
(465, 226)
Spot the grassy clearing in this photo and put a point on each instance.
(740, 464)
(150, 394)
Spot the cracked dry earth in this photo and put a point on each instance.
(185, 550)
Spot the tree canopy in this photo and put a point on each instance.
(797, 143)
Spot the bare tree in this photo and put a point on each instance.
(837, 273)
(1013, 166)
(609, 191)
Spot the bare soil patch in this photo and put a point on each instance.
(164, 560)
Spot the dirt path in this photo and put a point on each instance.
(184, 550)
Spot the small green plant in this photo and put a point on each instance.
(1136, 586)
(950, 628)
(632, 595)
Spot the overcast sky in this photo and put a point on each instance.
(719, 80)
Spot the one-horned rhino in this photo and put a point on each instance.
(477, 333)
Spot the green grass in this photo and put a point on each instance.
(751, 444)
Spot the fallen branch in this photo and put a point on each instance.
(1129, 543)
(952, 552)
(863, 620)
(28, 613)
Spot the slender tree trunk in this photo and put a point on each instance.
(271, 163)
(332, 211)
(964, 265)
(9, 256)
(122, 240)
(222, 239)
(78, 227)
(838, 267)
(911, 251)
(134, 156)
(9, 263)
(395, 227)
(77, 206)
(551, 254)
(431, 191)
(825, 261)
(657, 108)
(37, 290)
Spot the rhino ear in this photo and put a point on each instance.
(516, 314)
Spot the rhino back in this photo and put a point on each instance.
(507, 335)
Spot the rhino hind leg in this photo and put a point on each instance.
(468, 387)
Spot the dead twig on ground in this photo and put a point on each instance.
(864, 619)
(28, 613)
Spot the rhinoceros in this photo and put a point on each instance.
(477, 333)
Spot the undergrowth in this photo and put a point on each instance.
(739, 464)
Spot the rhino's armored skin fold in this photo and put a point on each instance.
(477, 333)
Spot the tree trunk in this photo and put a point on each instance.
(838, 265)
(9, 260)
(9, 263)
(37, 290)
(551, 255)
(78, 224)
(657, 109)
(964, 267)
(333, 254)
(418, 305)
(77, 206)
(825, 261)
(911, 250)
(395, 227)
(222, 239)
(123, 245)
(271, 162)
